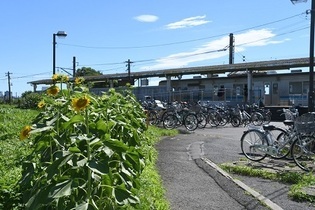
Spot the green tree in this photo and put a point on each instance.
(87, 71)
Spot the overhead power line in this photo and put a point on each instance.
(182, 42)
(31, 75)
(152, 60)
(272, 37)
(103, 64)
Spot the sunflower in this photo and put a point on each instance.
(79, 80)
(55, 77)
(64, 78)
(41, 104)
(53, 90)
(80, 103)
(25, 133)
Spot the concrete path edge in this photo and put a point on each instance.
(254, 193)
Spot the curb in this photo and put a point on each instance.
(254, 193)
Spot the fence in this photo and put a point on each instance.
(194, 95)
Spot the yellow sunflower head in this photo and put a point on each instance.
(25, 133)
(80, 103)
(64, 78)
(41, 104)
(53, 90)
(55, 77)
(79, 80)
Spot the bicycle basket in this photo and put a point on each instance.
(289, 115)
(305, 123)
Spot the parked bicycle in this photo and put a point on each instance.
(303, 149)
(156, 114)
(181, 116)
(208, 114)
(259, 142)
(248, 116)
(229, 115)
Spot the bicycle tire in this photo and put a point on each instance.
(281, 136)
(202, 120)
(267, 118)
(256, 118)
(152, 118)
(170, 121)
(250, 142)
(213, 119)
(303, 152)
(235, 121)
(191, 122)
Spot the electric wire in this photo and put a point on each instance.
(174, 43)
(149, 60)
(181, 42)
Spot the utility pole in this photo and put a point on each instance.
(9, 84)
(311, 66)
(128, 69)
(231, 48)
(73, 66)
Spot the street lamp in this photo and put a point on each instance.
(311, 65)
(59, 34)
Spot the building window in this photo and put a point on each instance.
(295, 88)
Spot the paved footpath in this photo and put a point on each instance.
(187, 164)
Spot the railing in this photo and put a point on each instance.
(230, 95)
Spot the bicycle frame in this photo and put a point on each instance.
(270, 148)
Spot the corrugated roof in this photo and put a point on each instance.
(283, 64)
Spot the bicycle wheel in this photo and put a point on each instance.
(214, 119)
(235, 121)
(253, 144)
(191, 122)
(223, 121)
(152, 118)
(282, 143)
(202, 120)
(267, 118)
(303, 152)
(170, 121)
(223, 118)
(256, 118)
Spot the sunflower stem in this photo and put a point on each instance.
(89, 184)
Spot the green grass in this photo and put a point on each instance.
(12, 150)
(298, 181)
(152, 193)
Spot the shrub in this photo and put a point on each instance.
(29, 100)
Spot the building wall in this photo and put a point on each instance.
(273, 89)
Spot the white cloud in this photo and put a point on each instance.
(146, 18)
(255, 38)
(188, 22)
(215, 49)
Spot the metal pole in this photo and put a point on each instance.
(231, 48)
(74, 66)
(9, 86)
(54, 54)
(311, 68)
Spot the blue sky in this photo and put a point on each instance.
(158, 34)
